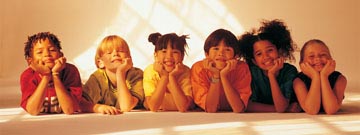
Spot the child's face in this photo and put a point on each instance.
(316, 55)
(45, 52)
(220, 54)
(112, 58)
(265, 53)
(169, 57)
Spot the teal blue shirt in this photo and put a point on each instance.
(260, 84)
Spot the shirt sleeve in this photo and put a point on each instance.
(149, 81)
(72, 82)
(92, 89)
(200, 84)
(286, 81)
(185, 82)
(28, 84)
(135, 79)
(243, 82)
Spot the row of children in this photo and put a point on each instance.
(248, 74)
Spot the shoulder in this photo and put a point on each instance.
(27, 74)
(289, 66)
(197, 65)
(149, 68)
(135, 70)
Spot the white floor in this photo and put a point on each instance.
(13, 120)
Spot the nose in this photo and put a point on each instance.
(221, 52)
(114, 53)
(46, 52)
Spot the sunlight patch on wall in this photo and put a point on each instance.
(137, 19)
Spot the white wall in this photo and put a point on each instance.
(80, 24)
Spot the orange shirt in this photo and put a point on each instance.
(240, 79)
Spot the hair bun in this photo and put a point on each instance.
(154, 37)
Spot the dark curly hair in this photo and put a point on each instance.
(217, 36)
(32, 40)
(161, 41)
(274, 31)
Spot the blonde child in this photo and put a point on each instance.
(167, 81)
(49, 84)
(265, 51)
(221, 82)
(116, 86)
(319, 87)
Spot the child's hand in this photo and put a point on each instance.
(125, 65)
(328, 68)
(278, 64)
(159, 67)
(308, 70)
(39, 66)
(60, 64)
(230, 65)
(105, 109)
(179, 68)
(210, 65)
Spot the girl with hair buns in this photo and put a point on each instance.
(167, 84)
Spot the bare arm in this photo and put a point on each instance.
(232, 96)
(280, 102)
(331, 99)
(35, 101)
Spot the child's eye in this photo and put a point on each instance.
(257, 54)
(38, 52)
(228, 49)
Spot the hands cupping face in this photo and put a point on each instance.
(60, 64)
(40, 67)
(329, 67)
(278, 64)
(125, 65)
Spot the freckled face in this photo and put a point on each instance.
(316, 55)
(45, 52)
(220, 54)
(265, 53)
(169, 57)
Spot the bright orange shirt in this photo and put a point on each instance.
(240, 79)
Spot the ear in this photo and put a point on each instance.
(100, 64)
(206, 54)
(61, 54)
(29, 60)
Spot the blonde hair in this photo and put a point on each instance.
(110, 43)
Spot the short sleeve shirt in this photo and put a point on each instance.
(99, 89)
(261, 90)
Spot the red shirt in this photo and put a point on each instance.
(70, 78)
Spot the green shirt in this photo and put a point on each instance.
(98, 88)
(260, 84)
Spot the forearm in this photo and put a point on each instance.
(212, 98)
(312, 101)
(329, 99)
(280, 102)
(232, 96)
(154, 102)
(35, 101)
(126, 101)
(66, 100)
(180, 99)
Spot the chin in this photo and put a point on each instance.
(169, 69)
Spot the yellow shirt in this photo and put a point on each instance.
(152, 78)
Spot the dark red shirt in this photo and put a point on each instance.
(70, 78)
